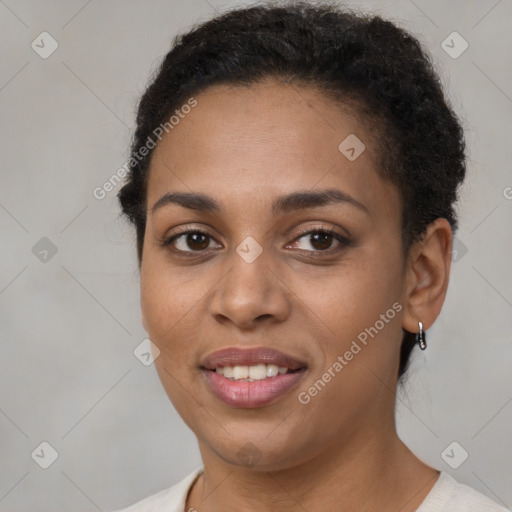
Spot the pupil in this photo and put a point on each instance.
(323, 238)
(194, 241)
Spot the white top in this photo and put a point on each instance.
(447, 495)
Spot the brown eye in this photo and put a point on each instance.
(189, 241)
(197, 241)
(320, 242)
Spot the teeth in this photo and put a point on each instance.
(258, 372)
(272, 370)
(228, 371)
(240, 372)
(251, 373)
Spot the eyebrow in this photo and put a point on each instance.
(284, 204)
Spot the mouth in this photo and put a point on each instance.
(247, 378)
(253, 373)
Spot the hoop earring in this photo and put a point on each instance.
(421, 339)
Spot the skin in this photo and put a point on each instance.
(245, 146)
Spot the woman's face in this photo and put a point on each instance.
(255, 279)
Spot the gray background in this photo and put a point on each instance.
(70, 322)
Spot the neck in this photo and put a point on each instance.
(374, 472)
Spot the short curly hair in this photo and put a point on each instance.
(354, 58)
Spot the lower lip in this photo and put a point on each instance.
(245, 394)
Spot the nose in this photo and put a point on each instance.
(251, 294)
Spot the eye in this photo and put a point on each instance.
(321, 240)
(189, 240)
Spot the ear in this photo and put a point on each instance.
(427, 275)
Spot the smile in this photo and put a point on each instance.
(248, 378)
(252, 373)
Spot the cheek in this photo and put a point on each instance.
(156, 301)
(167, 306)
(164, 298)
(164, 303)
(360, 305)
(354, 297)
(171, 300)
(360, 311)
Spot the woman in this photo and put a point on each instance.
(293, 178)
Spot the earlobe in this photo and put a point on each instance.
(428, 271)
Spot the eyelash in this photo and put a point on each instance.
(343, 241)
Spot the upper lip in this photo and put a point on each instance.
(233, 356)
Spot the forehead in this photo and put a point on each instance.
(254, 143)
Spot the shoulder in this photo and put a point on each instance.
(168, 500)
(449, 495)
